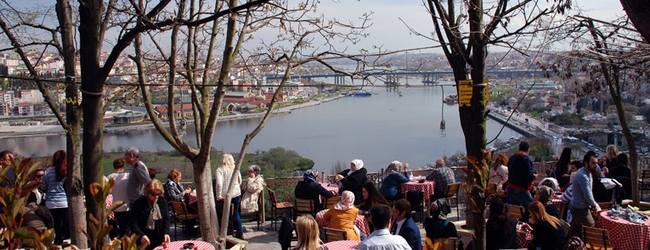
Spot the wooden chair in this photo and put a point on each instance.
(303, 206)
(452, 194)
(332, 234)
(330, 202)
(278, 207)
(595, 238)
(442, 244)
(182, 215)
(644, 181)
(514, 212)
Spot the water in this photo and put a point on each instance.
(378, 129)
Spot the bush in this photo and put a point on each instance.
(567, 119)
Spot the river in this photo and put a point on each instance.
(387, 126)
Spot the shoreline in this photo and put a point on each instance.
(53, 130)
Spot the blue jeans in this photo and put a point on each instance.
(519, 198)
(236, 217)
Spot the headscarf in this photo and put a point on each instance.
(310, 175)
(439, 209)
(550, 182)
(545, 194)
(358, 164)
(346, 202)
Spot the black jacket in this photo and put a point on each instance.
(546, 237)
(500, 234)
(139, 213)
(312, 191)
(622, 174)
(354, 183)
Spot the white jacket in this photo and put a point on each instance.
(223, 182)
(252, 189)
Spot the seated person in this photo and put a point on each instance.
(548, 231)
(307, 233)
(36, 216)
(544, 195)
(381, 239)
(343, 215)
(443, 176)
(174, 191)
(436, 225)
(393, 180)
(352, 179)
(404, 225)
(150, 216)
(371, 197)
(252, 188)
(500, 231)
(550, 182)
(310, 189)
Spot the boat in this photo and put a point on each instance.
(361, 93)
(450, 100)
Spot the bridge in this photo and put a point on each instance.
(427, 75)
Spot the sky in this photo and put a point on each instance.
(390, 33)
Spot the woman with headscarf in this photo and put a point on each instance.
(343, 215)
(310, 189)
(224, 174)
(353, 179)
(393, 180)
(252, 189)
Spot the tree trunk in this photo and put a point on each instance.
(638, 12)
(205, 198)
(92, 86)
(73, 185)
(629, 139)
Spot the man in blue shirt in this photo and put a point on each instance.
(583, 199)
(520, 177)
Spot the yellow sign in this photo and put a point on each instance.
(464, 93)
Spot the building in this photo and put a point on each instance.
(129, 117)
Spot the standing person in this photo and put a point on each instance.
(548, 233)
(223, 176)
(520, 177)
(352, 179)
(621, 172)
(139, 175)
(443, 176)
(253, 186)
(371, 197)
(150, 216)
(561, 172)
(612, 156)
(583, 199)
(393, 180)
(307, 233)
(310, 189)
(381, 239)
(55, 197)
(405, 225)
(499, 172)
(343, 215)
(6, 160)
(120, 193)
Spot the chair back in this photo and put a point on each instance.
(515, 212)
(304, 206)
(330, 202)
(605, 205)
(595, 238)
(179, 208)
(332, 234)
(272, 197)
(452, 189)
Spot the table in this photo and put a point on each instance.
(361, 222)
(426, 187)
(200, 245)
(343, 244)
(330, 187)
(624, 234)
(523, 236)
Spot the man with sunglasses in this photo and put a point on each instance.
(583, 201)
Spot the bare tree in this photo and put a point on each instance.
(190, 61)
(464, 36)
(612, 57)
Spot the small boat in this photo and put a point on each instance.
(361, 93)
(450, 100)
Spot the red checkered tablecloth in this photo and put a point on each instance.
(624, 234)
(343, 244)
(200, 245)
(426, 187)
(523, 236)
(361, 222)
(330, 187)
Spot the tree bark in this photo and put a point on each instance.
(73, 184)
(638, 12)
(205, 198)
(92, 87)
